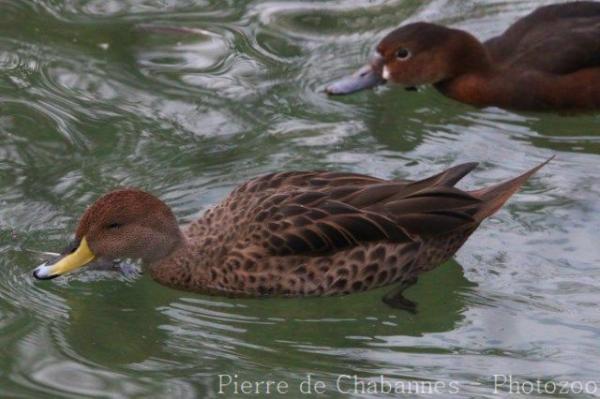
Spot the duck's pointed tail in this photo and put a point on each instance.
(494, 197)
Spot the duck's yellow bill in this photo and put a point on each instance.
(80, 257)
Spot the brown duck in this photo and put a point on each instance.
(292, 233)
(548, 60)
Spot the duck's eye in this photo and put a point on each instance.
(113, 226)
(403, 54)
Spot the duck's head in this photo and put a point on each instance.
(416, 54)
(121, 224)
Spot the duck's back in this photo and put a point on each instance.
(558, 39)
(324, 233)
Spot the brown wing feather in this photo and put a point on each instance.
(388, 191)
(298, 217)
(323, 225)
(341, 184)
(305, 179)
(353, 210)
(434, 211)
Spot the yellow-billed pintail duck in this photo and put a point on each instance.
(291, 233)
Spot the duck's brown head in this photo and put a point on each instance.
(417, 54)
(121, 224)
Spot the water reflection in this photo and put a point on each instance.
(157, 322)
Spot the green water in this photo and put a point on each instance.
(92, 98)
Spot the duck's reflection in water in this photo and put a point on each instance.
(131, 323)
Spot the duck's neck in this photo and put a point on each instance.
(474, 88)
(176, 270)
(468, 55)
(470, 70)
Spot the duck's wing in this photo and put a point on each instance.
(311, 222)
(303, 179)
(431, 211)
(328, 181)
(559, 39)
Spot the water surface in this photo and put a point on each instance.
(97, 94)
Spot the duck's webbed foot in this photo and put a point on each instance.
(396, 299)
